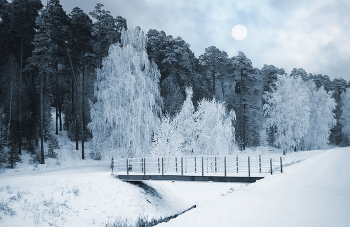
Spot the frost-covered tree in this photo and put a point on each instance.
(128, 101)
(215, 134)
(167, 139)
(288, 109)
(185, 124)
(345, 115)
(321, 120)
(206, 131)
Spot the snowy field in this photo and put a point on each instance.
(68, 191)
(315, 192)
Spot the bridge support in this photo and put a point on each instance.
(189, 178)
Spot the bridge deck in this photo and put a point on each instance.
(204, 168)
(189, 178)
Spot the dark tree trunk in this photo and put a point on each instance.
(41, 120)
(82, 112)
(60, 108)
(213, 83)
(20, 103)
(56, 100)
(76, 100)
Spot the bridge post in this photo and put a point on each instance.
(281, 164)
(215, 165)
(248, 166)
(237, 162)
(182, 166)
(162, 166)
(195, 165)
(202, 166)
(259, 163)
(127, 166)
(144, 166)
(271, 165)
(176, 164)
(158, 166)
(225, 164)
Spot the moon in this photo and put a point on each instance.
(239, 32)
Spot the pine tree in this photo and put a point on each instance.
(345, 116)
(177, 66)
(106, 31)
(128, 102)
(215, 64)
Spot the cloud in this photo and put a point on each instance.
(288, 34)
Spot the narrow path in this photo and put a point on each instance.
(315, 192)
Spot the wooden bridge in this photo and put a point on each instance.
(233, 168)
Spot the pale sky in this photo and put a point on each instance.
(309, 34)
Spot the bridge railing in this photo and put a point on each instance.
(231, 165)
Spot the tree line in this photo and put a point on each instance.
(48, 58)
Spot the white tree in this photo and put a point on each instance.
(167, 139)
(208, 130)
(287, 108)
(321, 119)
(128, 100)
(345, 115)
(215, 133)
(185, 124)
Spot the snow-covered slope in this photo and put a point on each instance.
(315, 192)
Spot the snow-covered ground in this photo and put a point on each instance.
(315, 192)
(68, 191)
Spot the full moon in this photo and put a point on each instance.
(239, 32)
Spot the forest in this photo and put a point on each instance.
(137, 93)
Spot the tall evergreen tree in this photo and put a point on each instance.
(106, 31)
(215, 65)
(23, 14)
(81, 30)
(339, 86)
(177, 65)
(345, 117)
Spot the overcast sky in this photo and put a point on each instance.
(309, 34)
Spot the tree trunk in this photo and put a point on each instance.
(9, 124)
(76, 100)
(82, 111)
(214, 82)
(60, 108)
(20, 103)
(56, 100)
(41, 119)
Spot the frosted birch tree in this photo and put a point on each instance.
(215, 133)
(185, 124)
(207, 131)
(321, 120)
(345, 116)
(167, 139)
(128, 101)
(287, 108)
